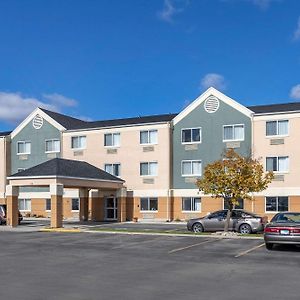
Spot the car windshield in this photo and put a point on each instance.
(287, 218)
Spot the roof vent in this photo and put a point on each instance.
(211, 104)
(37, 122)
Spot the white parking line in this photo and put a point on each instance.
(249, 250)
(194, 245)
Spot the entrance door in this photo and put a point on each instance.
(111, 209)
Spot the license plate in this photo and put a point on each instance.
(285, 232)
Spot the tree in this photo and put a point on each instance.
(234, 178)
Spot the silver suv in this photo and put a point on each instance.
(240, 221)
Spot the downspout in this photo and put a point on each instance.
(170, 171)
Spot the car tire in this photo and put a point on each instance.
(197, 227)
(245, 229)
(269, 246)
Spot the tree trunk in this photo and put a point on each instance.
(227, 221)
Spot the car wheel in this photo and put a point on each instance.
(197, 227)
(269, 246)
(245, 229)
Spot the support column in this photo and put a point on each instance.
(97, 209)
(83, 204)
(122, 196)
(12, 213)
(56, 191)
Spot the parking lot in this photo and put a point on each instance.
(36, 265)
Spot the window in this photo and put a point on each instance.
(78, 142)
(48, 204)
(149, 204)
(240, 204)
(277, 164)
(52, 146)
(221, 214)
(148, 169)
(113, 169)
(21, 170)
(112, 139)
(277, 127)
(233, 132)
(148, 137)
(191, 204)
(25, 204)
(23, 147)
(191, 135)
(277, 204)
(75, 204)
(191, 168)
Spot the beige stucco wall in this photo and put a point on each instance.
(262, 148)
(129, 154)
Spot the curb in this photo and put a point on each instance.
(175, 234)
(60, 230)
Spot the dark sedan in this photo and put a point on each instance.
(241, 221)
(284, 228)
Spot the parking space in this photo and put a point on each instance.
(38, 265)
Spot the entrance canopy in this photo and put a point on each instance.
(70, 173)
(58, 174)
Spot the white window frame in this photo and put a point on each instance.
(149, 162)
(191, 162)
(278, 135)
(191, 129)
(78, 136)
(75, 210)
(191, 199)
(234, 125)
(235, 208)
(148, 135)
(112, 139)
(23, 142)
(47, 210)
(112, 165)
(24, 199)
(275, 211)
(148, 211)
(51, 140)
(277, 157)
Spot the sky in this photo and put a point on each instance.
(106, 59)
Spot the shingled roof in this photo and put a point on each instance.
(64, 120)
(72, 123)
(5, 133)
(275, 108)
(59, 167)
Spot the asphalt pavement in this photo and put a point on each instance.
(42, 266)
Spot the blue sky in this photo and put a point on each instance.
(104, 59)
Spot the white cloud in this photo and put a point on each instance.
(213, 80)
(261, 4)
(15, 107)
(297, 31)
(172, 8)
(60, 100)
(295, 92)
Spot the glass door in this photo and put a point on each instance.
(111, 209)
